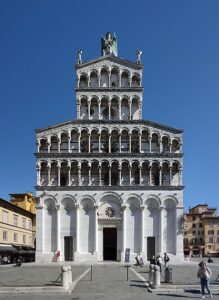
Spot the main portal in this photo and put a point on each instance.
(110, 243)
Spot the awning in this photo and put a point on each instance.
(7, 248)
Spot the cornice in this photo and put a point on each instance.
(107, 89)
(112, 58)
(109, 155)
(109, 188)
(111, 122)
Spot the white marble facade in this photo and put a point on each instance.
(109, 181)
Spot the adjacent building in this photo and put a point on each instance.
(109, 182)
(15, 228)
(201, 231)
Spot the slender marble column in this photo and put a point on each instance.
(89, 105)
(130, 143)
(99, 138)
(99, 106)
(124, 229)
(40, 229)
(109, 106)
(120, 179)
(77, 228)
(69, 144)
(171, 175)
(140, 151)
(161, 229)
(58, 227)
(49, 175)
(120, 112)
(96, 228)
(89, 175)
(69, 175)
(161, 146)
(109, 143)
(38, 176)
(160, 176)
(48, 147)
(79, 175)
(110, 179)
(59, 168)
(100, 181)
(140, 175)
(130, 110)
(130, 175)
(79, 143)
(150, 175)
(89, 138)
(142, 229)
(150, 138)
(120, 137)
(59, 143)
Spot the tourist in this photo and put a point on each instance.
(204, 274)
(166, 259)
(159, 262)
(153, 260)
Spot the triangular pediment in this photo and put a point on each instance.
(110, 58)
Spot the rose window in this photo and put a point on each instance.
(110, 212)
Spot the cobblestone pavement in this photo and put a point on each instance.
(109, 283)
(35, 276)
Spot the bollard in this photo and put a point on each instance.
(69, 275)
(151, 273)
(127, 273)
(65, 277)
(156, 277)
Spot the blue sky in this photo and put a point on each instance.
(180, 44)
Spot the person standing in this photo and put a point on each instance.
(204, 274)
(166, 259)
(159, 262)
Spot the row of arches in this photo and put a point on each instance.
(105, 77)
(101, 141)
(81, 221)
(109, 174)
(105, 109)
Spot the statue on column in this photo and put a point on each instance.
(109, 44)
(139, 54)
(79, 62)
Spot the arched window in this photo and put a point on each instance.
(64, 143)
(155, 174)
(114, 78)
(64, 174)
(135, 109)
(84, 108)
(125, 109)
(104, 78)
(93, 80)
(83, 81)
(43, 146)
(94, 109)
(125, 79)
(54, 144)
(135, 80)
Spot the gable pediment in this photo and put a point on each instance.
(110, 61)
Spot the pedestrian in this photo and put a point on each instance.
(204, 274)
(159, 262)
(153, 260)
(166, 259)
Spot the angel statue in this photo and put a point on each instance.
(109, 44)
(138, 53)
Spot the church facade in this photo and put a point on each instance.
(109, 182)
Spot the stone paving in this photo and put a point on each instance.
(109, 282)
